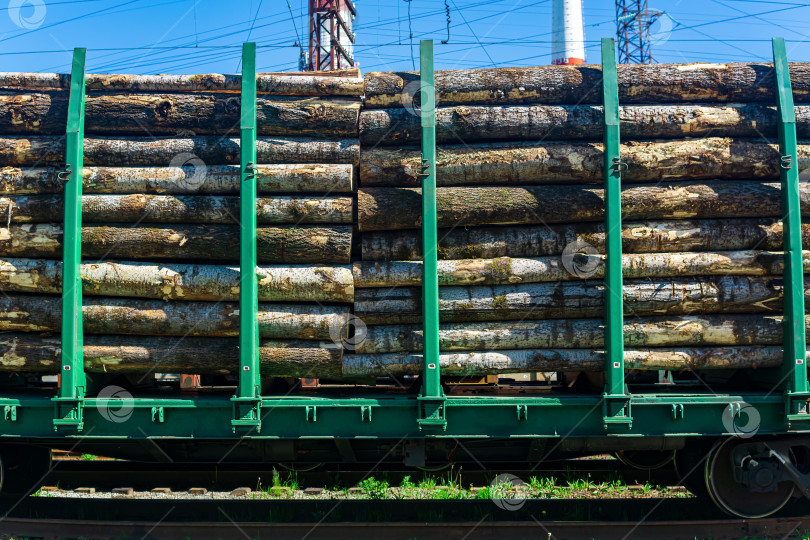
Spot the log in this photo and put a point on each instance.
(689, 330)
(161, 151)
(493, 362)
(637, 237)
(321, 83)
(579, 162)
(385, 208)
(176, 281)
(136, 316)
(277, 245)
(140, 208)
(194, 178)
(470, 123)
(36, 354)
(652, 83)
(564, 300)
(580, 262)
(45, 113)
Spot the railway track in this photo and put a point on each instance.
(179, 519)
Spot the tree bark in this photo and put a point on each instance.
(45, 113)
(176, 281)
(492, 362)
(321, 83)
(684, 331)
(135, 316)
(192, 177)
(675, 296)
(466, 124)
(580, 261)
(528, 241)
(139, 208)
(31, 353)
(276, 245)
(577, 162)
(401, 208)
(161, 151)
(652, 83)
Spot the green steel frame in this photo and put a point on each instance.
(68, 404)
(247, 405)
(794, 366)
(28, 413)
(431, 398)
(616, 407)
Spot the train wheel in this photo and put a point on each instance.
(738, 499)
(23, 468)
(645, 460)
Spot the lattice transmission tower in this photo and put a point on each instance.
(331, 40)
(633, 21)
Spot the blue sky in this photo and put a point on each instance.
(482, 32)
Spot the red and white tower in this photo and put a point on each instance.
(568, 35)
(331, 41)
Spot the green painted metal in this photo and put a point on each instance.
(68, 403)
(432, 396)
(616, 405)
(246, 402)
(386, 416)
(794, 367)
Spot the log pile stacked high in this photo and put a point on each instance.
(521, 224)
(160, 235)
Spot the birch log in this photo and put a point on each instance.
(161, 151)
(401, 208)
(140, 208)
(675, 296)
(135, 316)
(321, 83)
(191, 177)
(176, 281)
(31, 353)
(554, 162)
(652, 83)
(580, 262)
(637, 237)
(684, 331)
(276, 245)
(493, 362)
(470, 123)
(45, 113)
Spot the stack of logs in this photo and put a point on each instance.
(160, 236)
(521, 218)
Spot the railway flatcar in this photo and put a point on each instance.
(505, 266)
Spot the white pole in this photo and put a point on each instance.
(568, 35)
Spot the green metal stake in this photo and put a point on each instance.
(432, 398)
(246, 404)
(794, 367)
(616, 404)
(68, 404)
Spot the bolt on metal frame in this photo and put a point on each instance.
(69, 402)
